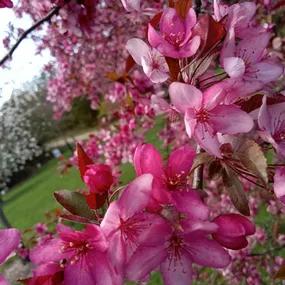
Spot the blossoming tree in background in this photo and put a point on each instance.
(192, 94)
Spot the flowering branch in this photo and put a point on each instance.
(53, 12)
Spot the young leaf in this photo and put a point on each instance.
(236, 192)
(200, 159)
(181, 6)
(75, 203)
(280, 274)
(83, 159)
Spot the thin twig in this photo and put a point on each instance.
(53, 12)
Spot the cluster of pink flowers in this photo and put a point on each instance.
(158, 221)
(214, 77)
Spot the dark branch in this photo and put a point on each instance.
(53, 12)
(198, 6)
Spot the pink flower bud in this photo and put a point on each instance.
(98, 178)
(232, 231)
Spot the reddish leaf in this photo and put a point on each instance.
(182, 6)
(77, 219)
(280, 274)
(156, 19)
(211, 33)
(279, 5)
(75, 203)
(83, 159)
(255, 102)
(174, 68)
(96, 201)
(130, 63)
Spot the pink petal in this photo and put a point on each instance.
(148, 160)
(229, 47)
(206, 252)
(264, 117)
(138, 49)
(205, 137)
(220, 10)
(9, 241)
(188, 49)
(157, 76)
(144, 261)
(213, 96)
(136, 196)
(131, 5)
(230, 120)
(3, 281)
(267, 71)
(189, 202)
(180, 161)
(234, 66)
(111, 220)
(234, 243)
(154, 38)
(177, 272)
(184, 96)
(190, 22)
(252, 50)
(190, 122)
(46, 252)
(279, 184)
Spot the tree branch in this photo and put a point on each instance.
(198, 173)
(53, 12)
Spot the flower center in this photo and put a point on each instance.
(175, 247)
(175, 39)
(177, 180)
(202, 116)
(132, 227)
(79, 249)
(279, 137)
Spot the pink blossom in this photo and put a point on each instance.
(41, 228)
(271, 121)
(98, 178)
(204, 115)
(232, 231)
(279, 184)
(153, 63)
(6, 4)
(175, 246)
(173, 176)
(78, 252)
(247, 61)
(126, 222)
(174, 39)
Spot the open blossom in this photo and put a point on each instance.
(173, 176)
(279, 184)
(78, 252)
(98, 178)
(247, 61)
(153, 63)
(205, 115)
(175, 36)
(9, 241)
(271, 121)
(126, 221)
(232, 230)
(175, 246)
(6, 4)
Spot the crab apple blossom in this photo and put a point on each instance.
(271, 121)
(82, 255)
(175, 37)
(172, 176)
(232, 231)
(153, 63)
(205, 115)
(98, 178)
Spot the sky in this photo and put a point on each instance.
(25, 65)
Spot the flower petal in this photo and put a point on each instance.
(9, 241)
(206, 252)
(138, 49)
(279, 184)
(234, 66)
(177, 272)
(230, 120)
(184, 96)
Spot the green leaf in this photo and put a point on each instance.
(75, 203)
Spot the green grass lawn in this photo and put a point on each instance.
(27, 202)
